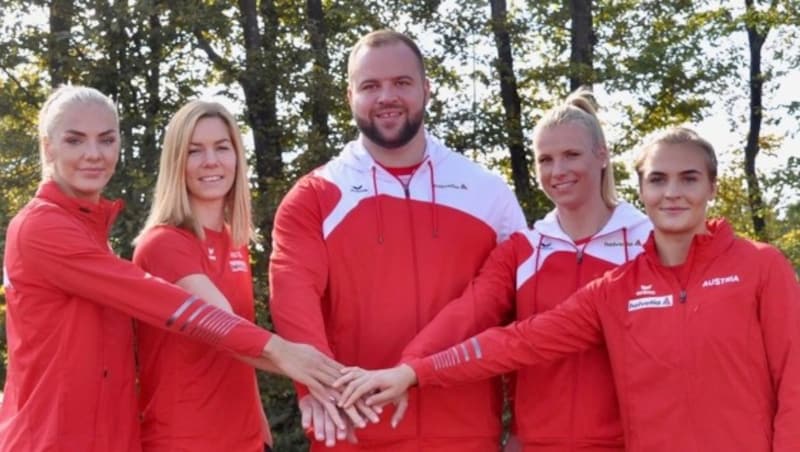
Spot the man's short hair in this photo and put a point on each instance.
(380, 38)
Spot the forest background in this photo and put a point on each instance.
(728, 67)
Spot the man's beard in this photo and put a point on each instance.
(407, 131)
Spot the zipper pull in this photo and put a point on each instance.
(683, 295)
(579, 255)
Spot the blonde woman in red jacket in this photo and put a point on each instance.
(71, 383)
(569, 404)
(196, 237)
(703, 328)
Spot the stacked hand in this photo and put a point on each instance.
(378, 386)
(331, 423)
(331, 412)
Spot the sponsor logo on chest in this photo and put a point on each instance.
(237, 262)
(654, 302)
(618, 243)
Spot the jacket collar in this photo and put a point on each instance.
(103, 213)
(355, 154)
(704, 246)
(624, 216)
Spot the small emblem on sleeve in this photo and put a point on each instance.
(660, 301)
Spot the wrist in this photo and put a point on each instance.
(409, 376)
(272, 349)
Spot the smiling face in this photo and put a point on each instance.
(83, 149)
(568, 167)
(675, 187)
(210, 162)
(387, 95)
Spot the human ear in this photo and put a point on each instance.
(48, 150)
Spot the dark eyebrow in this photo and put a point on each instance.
(691, 172)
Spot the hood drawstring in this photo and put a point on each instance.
(538, 252)
(378, 212)
(625, 243)
(434, 207)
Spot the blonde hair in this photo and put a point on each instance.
(171, 204)
(581, 107)
(380, 38)
(677, 135)
(57, 103)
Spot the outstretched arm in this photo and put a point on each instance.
(573, 326)
(487, 301)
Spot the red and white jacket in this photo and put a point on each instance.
(569, 404)
(71, 382)
(361, 264)
(705, 356)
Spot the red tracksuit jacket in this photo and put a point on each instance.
(70, 381)
(569, 404)
(706, 356)
(360, 264)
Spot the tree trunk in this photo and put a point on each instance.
(582, 42)
(58, 63)
(756, 35)
(152, 107)
(515, 140)
(319, 86)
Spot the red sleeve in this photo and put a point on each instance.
(571, 327)
(487, 301)
(298, 271)
(779, 301)
(170, 253)
(51, 244)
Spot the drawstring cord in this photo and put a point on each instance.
(434, 209)
(625, 243)
(378, 213)
(538, 252)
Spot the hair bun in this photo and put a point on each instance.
(583, 98)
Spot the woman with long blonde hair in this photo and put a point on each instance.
(196, 237)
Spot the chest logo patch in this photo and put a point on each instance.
(659, 301)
